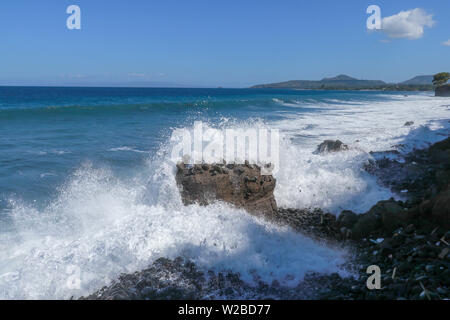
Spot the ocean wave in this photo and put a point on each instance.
(100, 227)
(125, 148)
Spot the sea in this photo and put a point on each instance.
(87, 179)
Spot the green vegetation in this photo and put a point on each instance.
(441, 78)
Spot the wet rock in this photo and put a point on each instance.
(347, 219)
(393, 215)
(439, 153)
(442, 178)
(409, 229)
(367, 223)
(387, 215)
(429, 268)
(443, 91)
(244, 186)
(443, 253)
(331, 146)
(441, 207)
(314, 223)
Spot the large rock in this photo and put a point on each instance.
(367, 223)
(240, 185)
(439, 153)
(437, 208)
(441, 207)
(443, 91)
(347, 219)
(384, 217)
(392, 214)
(331, 146)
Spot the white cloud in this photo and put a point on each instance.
(407, 24)
(446, 43)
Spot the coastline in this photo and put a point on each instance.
(408, 240)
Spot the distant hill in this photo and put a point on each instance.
(419, 80)
(341, 77)
(340, 81)
(344, 82)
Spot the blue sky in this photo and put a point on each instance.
(214, 43)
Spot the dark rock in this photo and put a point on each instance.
(383, 206)
(409, 229)
(245, 187)
(331, 146)
(442, 178)
(439, 153)
(386, 249)
(441, 207)
(347, 219)
(429, 268)
(387, 214)
(393, 216)
(367, 223)
(443, 91)
(437, 208)
(409, 123)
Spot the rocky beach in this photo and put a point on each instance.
(408, 239)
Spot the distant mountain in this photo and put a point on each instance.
(344, 82)
(341, 81)
(341, 77)
(419, 80)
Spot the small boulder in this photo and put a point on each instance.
(386, 215)
(409, 123)
(347, 219)
(331, 146)
(393, 216)
(367, 223)
(442, 178)
(439, 153)
(410, 229)
(441, 207)
(391, 213)
(386, 206)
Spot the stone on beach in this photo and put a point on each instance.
(331, 146)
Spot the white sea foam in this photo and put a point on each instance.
(125, 148)
(337, 181)
(100, 227)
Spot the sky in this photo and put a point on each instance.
(210, 43)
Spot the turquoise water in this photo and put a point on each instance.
(87, 178)
(47, 133)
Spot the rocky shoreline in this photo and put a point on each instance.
(409, 240)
